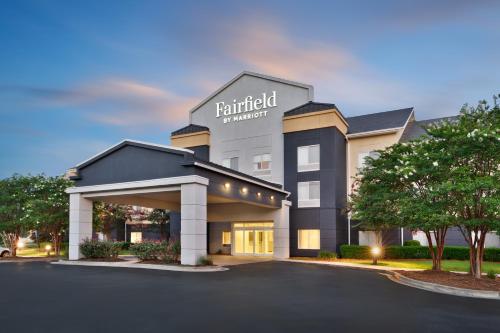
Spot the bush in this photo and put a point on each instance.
(412, 242)
(125, 245)
(327, 255)
(491, 274)
(416, 252)
(492, 254)
(406, 252)
(99, 249)
(149, 250)
(355, 251)
(205, 261)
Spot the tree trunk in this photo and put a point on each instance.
(431, 251)
(476, 252)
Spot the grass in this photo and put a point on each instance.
(447, 265)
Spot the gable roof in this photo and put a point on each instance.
(387, 120)
(310, 107)
(128, 142)
(261, 76)
(192, 128)
(415, 129)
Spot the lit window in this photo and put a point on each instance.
(309, 239)
(362, 158)
(231, 163)
(135, 237)
(308, 194)
(308, 158)
(226, 238)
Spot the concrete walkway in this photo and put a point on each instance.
(227, 260)
(136, 264)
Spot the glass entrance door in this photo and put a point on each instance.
(253, 238)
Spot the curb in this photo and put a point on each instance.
(439, 288)
(172, 268)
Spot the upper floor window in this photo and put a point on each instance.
(308, 158)
(262, 165)
(231, 163)
(308, 194)
(362, 158)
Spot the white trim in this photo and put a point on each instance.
(376, 132)
(262, 76)
(133, 191)
(134, 141)
(208, 167)
(140, 184)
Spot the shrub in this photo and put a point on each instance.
(412, 242)
(416, 252)
(492, 254)
(173, 254)
(406, 252)
(149, 250)
(491, 274)
(205, 261)
(99, 249)
(327, 255)
(125, 245)
(355, 251)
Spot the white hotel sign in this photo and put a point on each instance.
(248, 108)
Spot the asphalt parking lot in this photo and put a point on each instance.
(261, 297)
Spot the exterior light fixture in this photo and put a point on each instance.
(376, 251)
(48, 247)
(272, 197)
(244, 190)
(20, 244)
(227, 186)
(259, 194)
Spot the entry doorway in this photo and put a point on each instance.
(253, 238)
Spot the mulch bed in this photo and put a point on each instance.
(454, 280)
(103, 259)
(157, 262)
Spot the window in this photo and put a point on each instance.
(308, 158)
(362, 158)
(231, 163)
(135, 237)
(226, 238)
(308, 239)
(262, 165)
(308, 194)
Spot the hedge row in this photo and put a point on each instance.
(415, 252)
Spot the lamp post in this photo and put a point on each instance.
(375, 251)
(48, 247)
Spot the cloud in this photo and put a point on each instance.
(266, 46)
(117, 101)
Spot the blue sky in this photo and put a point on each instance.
(78, 76)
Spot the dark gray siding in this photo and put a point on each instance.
(330, 217)
(215, 230)
(455, 237)
(201, 152)
(132, 163)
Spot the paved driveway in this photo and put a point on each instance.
(261, 297)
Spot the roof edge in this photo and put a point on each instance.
(309, 87)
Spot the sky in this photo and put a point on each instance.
(79, 76)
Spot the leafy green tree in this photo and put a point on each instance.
(401, 188)
(14, 220)
(473, 141)
(108, 216)
(160, 217)
(48, 207)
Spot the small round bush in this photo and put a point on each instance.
(323, 254)
(412, 242)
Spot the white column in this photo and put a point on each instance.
(282, 231)
(80, 223)
(193, 223)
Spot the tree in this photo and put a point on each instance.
(48, 207)
(474, 176)
(107, 216)
(14, 220)
(401, 188)
(160, 217)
